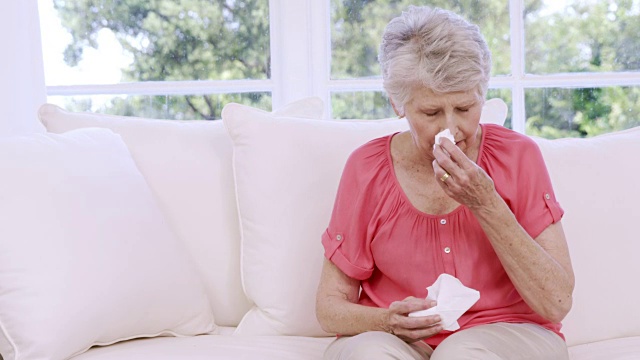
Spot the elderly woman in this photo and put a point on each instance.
(480, 208)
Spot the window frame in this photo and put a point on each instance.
(301, 66)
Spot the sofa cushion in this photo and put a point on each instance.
(494, 111)
(615, 349)
(86, 256)
(287, 171)
(213, 347)
(596, 182)
(188, 166)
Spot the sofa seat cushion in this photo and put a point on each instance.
(614, 349)
(212, 347)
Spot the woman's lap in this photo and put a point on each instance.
(498, 341)
(503, 341)
(375, 345)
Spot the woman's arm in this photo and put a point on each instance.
(539, 268)
(338, 312)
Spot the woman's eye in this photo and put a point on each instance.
(463, 110)
(432, 114)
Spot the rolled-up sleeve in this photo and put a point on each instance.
(345, 240)
(536, 207)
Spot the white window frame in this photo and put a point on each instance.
(300, 60)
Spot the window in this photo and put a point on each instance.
(356, 29)
(586, 55)
(167, 59)
(565, 68)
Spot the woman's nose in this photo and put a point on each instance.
(451, 124)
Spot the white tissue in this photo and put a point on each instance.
(453, 299)
(446, 133)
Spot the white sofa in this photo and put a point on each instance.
(201, 240)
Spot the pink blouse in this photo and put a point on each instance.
(378, 237)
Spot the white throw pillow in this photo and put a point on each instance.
(188, 167)
(287, 171)
(494, 111)
(187, 164)
(596, 182)
(86, 257)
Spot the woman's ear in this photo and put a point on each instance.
(395, 109)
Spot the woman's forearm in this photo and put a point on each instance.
(542, 281)
(337, 309)
(338, 312)
(340, 316)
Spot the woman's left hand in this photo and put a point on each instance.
(460, 178)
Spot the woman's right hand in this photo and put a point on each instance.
(412, 329)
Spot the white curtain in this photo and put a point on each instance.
(22, 88)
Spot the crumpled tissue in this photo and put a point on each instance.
(446, 133)
(453, 299)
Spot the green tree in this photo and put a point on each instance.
(586, 36)
(177, 40)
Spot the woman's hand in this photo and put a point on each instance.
(412, 329)
(460, 178)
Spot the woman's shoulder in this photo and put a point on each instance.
(373, 150)
(501, 133)
(501, 141)
(370, 158)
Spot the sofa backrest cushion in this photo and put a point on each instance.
(287, 171)
(86, 255)
(188, 166)
(596, 182)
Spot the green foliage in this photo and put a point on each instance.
(361, 105)
(174, 107)
(581, 112)
(586, 36)
(177, 40)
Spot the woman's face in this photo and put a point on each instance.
(428, 113)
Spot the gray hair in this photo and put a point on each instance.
(433, 48)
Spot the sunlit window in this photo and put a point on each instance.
(124, 42)
(581, 37)
(564, 67)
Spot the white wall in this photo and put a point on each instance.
(22, 87)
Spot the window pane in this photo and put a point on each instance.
(357, 26)
(554, 113)
(361, 105)
(375, 104)
(174, 107)
(505, 95)
(98, 42)
(578, 36)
